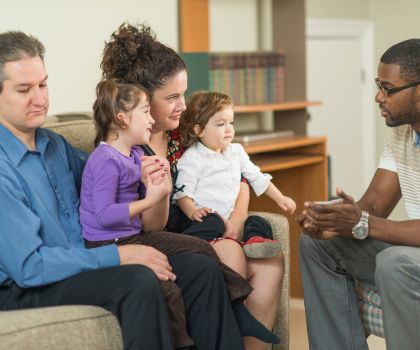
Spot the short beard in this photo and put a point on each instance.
(408, 115)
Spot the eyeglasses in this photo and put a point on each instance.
(389, 91)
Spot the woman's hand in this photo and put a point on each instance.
(155, 166)
(234, 228)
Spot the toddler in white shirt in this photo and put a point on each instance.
(210, 172)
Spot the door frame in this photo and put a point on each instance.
(362, 31)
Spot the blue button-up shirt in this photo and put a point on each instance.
(40, 234)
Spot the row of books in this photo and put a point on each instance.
(248, 77)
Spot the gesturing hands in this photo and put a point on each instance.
(323, 221)
(147, 256)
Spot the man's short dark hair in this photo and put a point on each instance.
(406, 54)
(15, 46)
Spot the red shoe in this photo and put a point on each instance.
(259, 247)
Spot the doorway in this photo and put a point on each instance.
(340, 74)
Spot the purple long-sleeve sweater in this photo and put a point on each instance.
(110, 182)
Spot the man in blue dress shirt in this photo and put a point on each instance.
(43, 261)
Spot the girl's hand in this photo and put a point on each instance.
(200, 213)
(156, 190)
(287, 204)
(153, 166)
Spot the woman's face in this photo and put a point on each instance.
(168, 103)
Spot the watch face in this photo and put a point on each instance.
(360, 232)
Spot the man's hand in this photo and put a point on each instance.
(339, 218)
(147, 256)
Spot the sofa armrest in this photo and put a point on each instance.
(61, 327)
(280, 227)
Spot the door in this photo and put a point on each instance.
(335, 76)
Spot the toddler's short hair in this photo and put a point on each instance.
(201, 106)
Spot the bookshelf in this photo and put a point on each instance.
(298, 164)
(283, 106)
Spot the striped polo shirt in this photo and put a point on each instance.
(401, 154)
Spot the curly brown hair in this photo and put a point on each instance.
(113, 97)
(133, 55)
(201, 106)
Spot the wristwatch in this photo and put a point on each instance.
(361, 229)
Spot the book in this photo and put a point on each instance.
(262, 135)
(247, 77)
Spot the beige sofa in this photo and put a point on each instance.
(86, 327)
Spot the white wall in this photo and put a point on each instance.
(233, 25)
(354, 9)
(74, 32)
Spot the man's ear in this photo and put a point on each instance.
(198, 131)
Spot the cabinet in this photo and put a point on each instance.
(298, 164)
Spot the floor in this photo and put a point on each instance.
(298, 335)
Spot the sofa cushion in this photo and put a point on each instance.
(62, 327)
(78, 129)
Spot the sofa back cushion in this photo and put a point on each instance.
(78, 129)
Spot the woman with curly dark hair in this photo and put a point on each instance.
(133, 55)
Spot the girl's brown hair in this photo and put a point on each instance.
(113, 97)
(133, 55)
(201, 106)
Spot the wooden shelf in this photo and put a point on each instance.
(285, 143)
(269, 163)
(284, 106)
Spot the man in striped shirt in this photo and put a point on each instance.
(355, 240)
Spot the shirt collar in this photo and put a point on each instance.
(416, 139)
(16, 149)
(208, 151)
